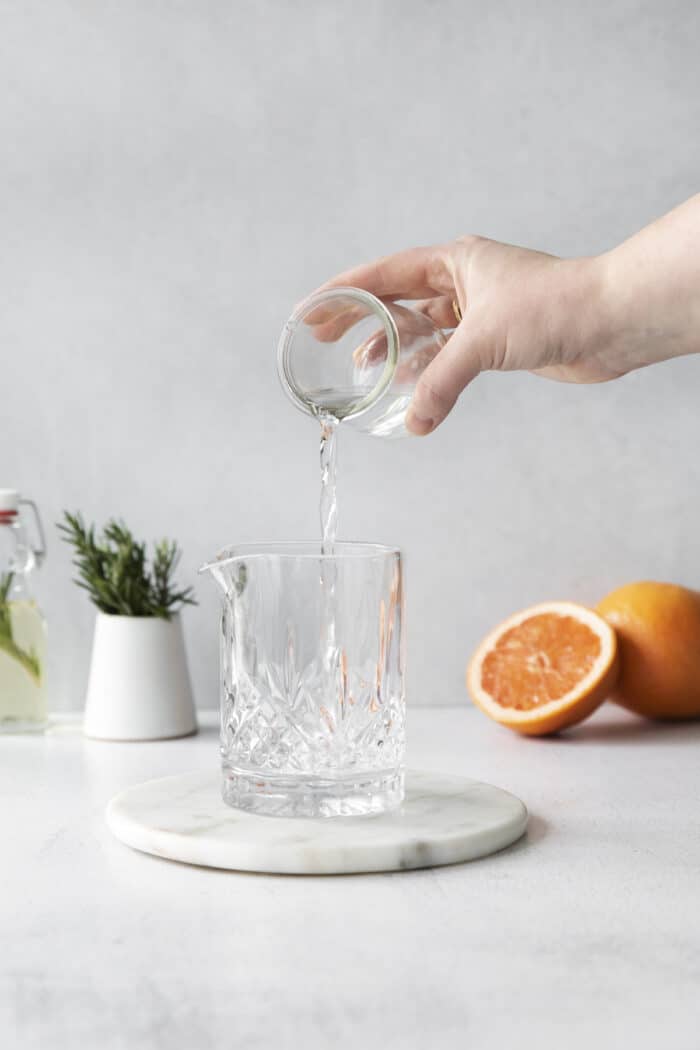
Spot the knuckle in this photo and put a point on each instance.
(471, 240)
(435, 269)
(435, 310)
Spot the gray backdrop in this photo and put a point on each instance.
(174, 176)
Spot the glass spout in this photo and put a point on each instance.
(229, 572)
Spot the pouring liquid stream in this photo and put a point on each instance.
(332, 657)
(329, 501)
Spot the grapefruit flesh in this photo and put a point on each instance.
(545, 668)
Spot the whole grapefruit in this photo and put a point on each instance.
(658, 633)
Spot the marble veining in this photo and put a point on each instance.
(444, 819)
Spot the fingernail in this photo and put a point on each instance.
(418, 424)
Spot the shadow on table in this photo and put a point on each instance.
(536, 830)
(630, 730)
(210, 731)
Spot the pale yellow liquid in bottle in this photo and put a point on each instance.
(22, 667)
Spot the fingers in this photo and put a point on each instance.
(418, 273)
(330, 323)
(371, 352)
(444, 379)
(422, 274)
(440, 310)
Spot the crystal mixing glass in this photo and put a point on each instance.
(312, 678)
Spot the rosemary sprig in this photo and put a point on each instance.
(115, 572)
(28, 660)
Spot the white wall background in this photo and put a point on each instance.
(174, 175)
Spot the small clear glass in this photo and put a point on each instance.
(348, 354)
(312, 678)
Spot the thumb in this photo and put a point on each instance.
(437, 390)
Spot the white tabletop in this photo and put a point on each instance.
(586, 933)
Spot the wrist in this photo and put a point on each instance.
(585, 310)
(642, 313)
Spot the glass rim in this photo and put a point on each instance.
(377, 307)
(342, 550)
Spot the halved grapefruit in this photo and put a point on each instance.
(545, 668)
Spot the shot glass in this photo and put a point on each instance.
(312, 678)
(345, 353)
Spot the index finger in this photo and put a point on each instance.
(417, 273)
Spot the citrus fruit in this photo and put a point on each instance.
(544, 668)
(658, 630)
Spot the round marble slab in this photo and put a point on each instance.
(444, 819)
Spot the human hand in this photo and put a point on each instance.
(520, 310)
(576, 320)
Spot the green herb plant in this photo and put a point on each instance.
(114, 569)
(28, 660)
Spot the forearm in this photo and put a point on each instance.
(651, 291)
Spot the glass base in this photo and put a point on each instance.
(293, 796)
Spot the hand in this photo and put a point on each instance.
(510, 300)
(581, 320)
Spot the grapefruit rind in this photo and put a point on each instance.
(589, 692)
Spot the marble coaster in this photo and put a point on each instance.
(444, 819)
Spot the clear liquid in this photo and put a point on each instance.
(22, 667)
(331, 407)
(386, 418)
(328, 506)
(329, 496)
(319, 732)
(336, 402)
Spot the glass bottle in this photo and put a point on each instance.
(346, 354)
(22, 625)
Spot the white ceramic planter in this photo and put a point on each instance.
(139, 686)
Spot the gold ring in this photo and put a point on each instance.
(456, 311)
